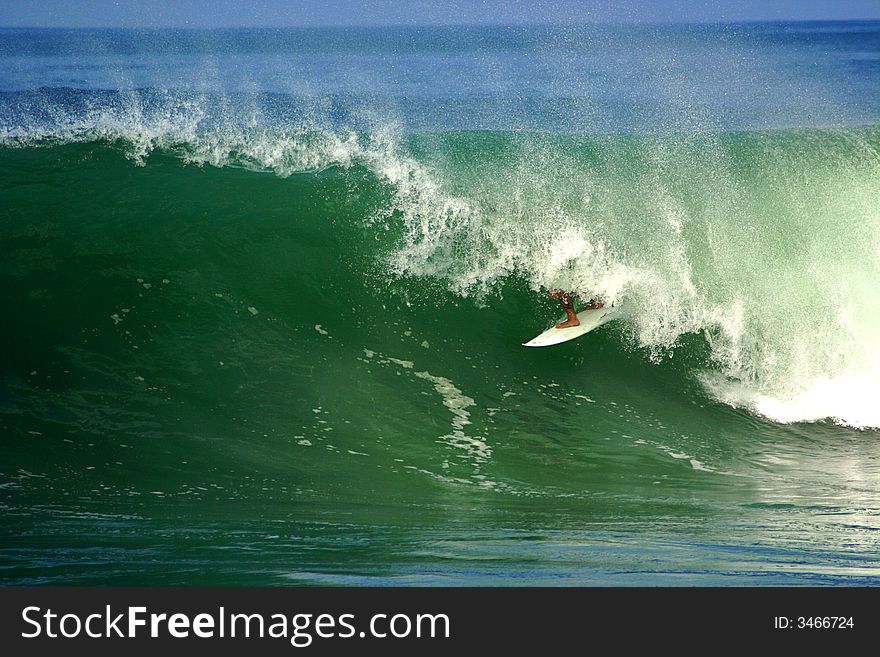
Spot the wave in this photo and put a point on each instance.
(764, 243)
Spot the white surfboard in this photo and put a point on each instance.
(590, 319)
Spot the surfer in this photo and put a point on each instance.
(568, 305)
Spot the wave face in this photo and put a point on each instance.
(763, 243)
(299, 280)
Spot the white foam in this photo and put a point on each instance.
(850, 400)
(455, 401)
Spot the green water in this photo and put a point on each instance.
(226, 376)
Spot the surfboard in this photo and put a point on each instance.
(590, 320)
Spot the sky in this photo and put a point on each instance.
(307, 13)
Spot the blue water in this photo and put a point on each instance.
(572, 79)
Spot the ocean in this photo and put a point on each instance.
(264, 294)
